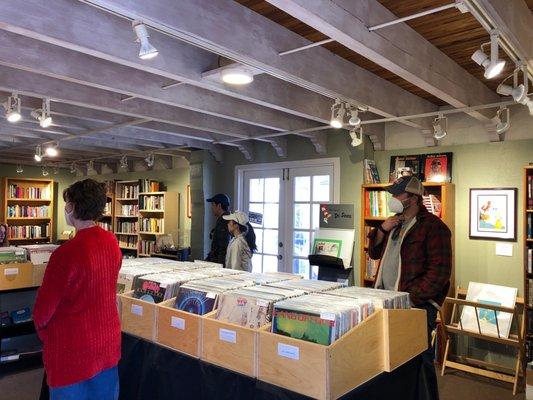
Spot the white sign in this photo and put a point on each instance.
(227, 335)
(504, 249)
(329, 316)
(211, 295)
(137, 309)
(288, 351)
(11, 271)
(178, 323)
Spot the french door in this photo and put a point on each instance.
(289, 199)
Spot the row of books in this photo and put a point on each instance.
(127, 227)
(130, 210)
(371, 267)
(529, 226)
(108, 208)
(530, 261)
(127, 191)
(376, 203)
(152, 202)
(147, 246)
(105, 225)
(18, 211)
(154, 225)
(28, 192)
(127, 241)
(371, 172)
(148, 185)
(530, 192)
(28, 231)
(433, 204)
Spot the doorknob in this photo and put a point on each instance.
(280, 257)
(280, 244)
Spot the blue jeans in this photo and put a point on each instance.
(103, 386)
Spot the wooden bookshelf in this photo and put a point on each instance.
(528, 268)
(13, 212)
(445, 192)
(126, 194)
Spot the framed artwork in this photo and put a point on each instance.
(493, 214)
(438, 167)
(327, 247)
(189, 203)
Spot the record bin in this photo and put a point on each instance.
(138, 316)
(16, 275)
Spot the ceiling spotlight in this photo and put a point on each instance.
(519, 92)
(237, 75)
(147, 51)
(357, 136)
(440, 125)
(501, 125)
(493, 65)
(124, 162)
(38, 153)
(354, 119)
(51, 151)
(20, 170)
(150, 160)
(337, 114)
(73, 168)
(43, 114)
(12, 106)
(44, 171)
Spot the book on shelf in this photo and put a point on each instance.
(127, 241)
(376, 203)
(371, 267)
(530, 192)
(148, 185)
(432, 204)
(108, 207)
(371, 172)
(129, 210)
(153, 225)
(104, 225)
(530, 261)
(529, 226)
(147, 246)
(18, 211)
(127, 227)
(152, 202)
(28, 231)
(20, 192)
(128, 191)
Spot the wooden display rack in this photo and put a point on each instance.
(384, 341)
(178, 330)
(138, 317)
(16, 276)
(454, 325)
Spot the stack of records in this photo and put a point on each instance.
(319, 318)
(156, 288)
(40, 253)
(208, 264)
(286, 275)
(200, 297)
(12, 254)
(129, 273)
(309, 285)
(264, 279)
(380, 298)
(251, 306)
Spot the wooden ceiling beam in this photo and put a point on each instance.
(398, 48)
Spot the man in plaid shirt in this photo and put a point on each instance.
(415, 250)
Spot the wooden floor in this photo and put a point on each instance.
(453, 386)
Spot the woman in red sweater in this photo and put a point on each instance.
(75, 312)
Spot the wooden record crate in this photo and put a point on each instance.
(229, 345)
(178, 329)
(384, 341)
(16, 275)
(38, 271)
(138, 317)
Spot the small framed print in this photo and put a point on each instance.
(493, 214)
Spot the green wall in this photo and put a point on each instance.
(62, 180)
(482, 165)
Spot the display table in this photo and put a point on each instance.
(150, 371)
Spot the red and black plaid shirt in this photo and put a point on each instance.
(426, 256)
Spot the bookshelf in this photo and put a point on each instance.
(374, 211)
(108, 218)
(158, 215)
(528, 260)
(28, 209)
(126, 215)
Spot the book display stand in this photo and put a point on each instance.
(454, 325)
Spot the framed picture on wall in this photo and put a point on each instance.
(493, 214)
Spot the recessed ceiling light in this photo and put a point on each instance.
(236, 75)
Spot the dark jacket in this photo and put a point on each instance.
(220, 238)
(426, 258)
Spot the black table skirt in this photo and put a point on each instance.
(151, 372)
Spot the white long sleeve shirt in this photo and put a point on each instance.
(239, 255)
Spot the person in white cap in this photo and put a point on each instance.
(242, 246)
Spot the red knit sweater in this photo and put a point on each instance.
(76, 312)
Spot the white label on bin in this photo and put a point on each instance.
(288, 351)
(329, 316)
(227, 335)
(262, 303)
(137, 309)
(211, 295)
(11, 271)
(178, 323)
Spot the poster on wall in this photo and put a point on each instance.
(337, 216)
(490, 321)
(436, 167)
(493, 214)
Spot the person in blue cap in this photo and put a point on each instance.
(220, 236)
